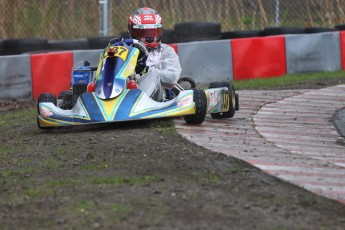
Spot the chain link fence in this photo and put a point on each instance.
(70, 19)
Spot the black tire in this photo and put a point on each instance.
(312, 30)
(197, 29)
(240, 34)
(200, 106)
(340, 27)
(189, 80)
(46, 97)
(270, 31)
(180, 39)
(64, 94)
(26, 45)
(67, 99)
(99, 42)
(168, 36)
(76, 44)
(232, 100)
(2, 47)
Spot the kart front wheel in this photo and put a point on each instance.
(233, 100)
(200, 100)
(46, 97)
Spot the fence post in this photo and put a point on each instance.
(104, 17)
(276, 20)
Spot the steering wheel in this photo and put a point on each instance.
(137, 44)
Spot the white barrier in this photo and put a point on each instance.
(15, 77)
(313, 52)
(207, 61)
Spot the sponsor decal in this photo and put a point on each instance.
(225, 104)
(44, 112)
(184, 101)
(81, 81)
(213, 99)
(148, 17)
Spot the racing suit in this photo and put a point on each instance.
(164, 70)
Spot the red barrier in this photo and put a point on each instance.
(174, 46)
(51, 72)
(342, 45)
(258, 57)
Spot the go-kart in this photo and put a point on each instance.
(112, 96)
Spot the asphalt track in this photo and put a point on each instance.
(286, 133)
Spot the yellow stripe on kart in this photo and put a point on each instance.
(174, 113)
(109, 107)
(49, 122)
(132, 113)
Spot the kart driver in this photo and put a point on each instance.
(162, 67)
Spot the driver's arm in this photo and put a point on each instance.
(170, 70)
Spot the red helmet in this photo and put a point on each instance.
(146, 25)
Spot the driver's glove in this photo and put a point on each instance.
(141, 67)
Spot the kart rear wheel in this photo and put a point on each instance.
(200, 100)
(68, 99)
(47, 97)
(188, 80)
(65, 94)
(233, 100)
(186, 83)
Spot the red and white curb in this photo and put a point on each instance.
(286, 133)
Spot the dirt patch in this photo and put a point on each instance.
(140, 175)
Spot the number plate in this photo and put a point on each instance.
(116, 51)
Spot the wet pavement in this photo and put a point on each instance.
(289, 134)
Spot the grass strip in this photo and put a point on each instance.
(288, 80)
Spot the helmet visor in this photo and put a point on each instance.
(143, 33)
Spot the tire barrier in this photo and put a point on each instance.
(197, 31)
(313, 30)
(240, 34)
(98, 42)
(270, 31)
(169, 36)
(340, 27)
(258, 57)
(19, 46)
(2, 50)
(316, 52)
(205, 61)
(76, 44)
